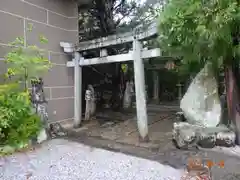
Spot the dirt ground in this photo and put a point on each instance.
(122, 127)
(118, 132)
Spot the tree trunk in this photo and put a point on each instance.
(105, 16)
(233, 100)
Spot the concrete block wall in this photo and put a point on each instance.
(57, 20)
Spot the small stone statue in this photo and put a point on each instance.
(37, 93)
(93, 100)
(127, 98)
(39, 102)
(90, 102)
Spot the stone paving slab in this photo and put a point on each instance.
(65, 160)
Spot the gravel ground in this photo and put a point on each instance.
(62, 159)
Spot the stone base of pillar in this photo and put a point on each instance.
(143, 140)
(155, 101)
(128, 110)
(76, 126)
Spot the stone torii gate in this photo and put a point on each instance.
(137, 55)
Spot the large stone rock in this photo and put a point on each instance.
(226, 138)
(186, 135)
(201, 104)
(206, 139)
(56, 130)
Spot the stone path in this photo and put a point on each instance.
(65, 160)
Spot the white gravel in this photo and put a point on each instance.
(65, 160)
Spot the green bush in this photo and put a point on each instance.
(17, 122)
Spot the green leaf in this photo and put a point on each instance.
(30, 27)
(43, 39)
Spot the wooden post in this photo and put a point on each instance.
(77, 90)
(156, 86)
(142, 119)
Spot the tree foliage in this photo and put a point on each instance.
(99, 19)
(105, 17)
(201, 30)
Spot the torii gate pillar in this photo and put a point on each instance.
(77, 90)
(142, 119)
(77, 58)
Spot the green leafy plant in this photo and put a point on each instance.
(26, 62)
(18, 122)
